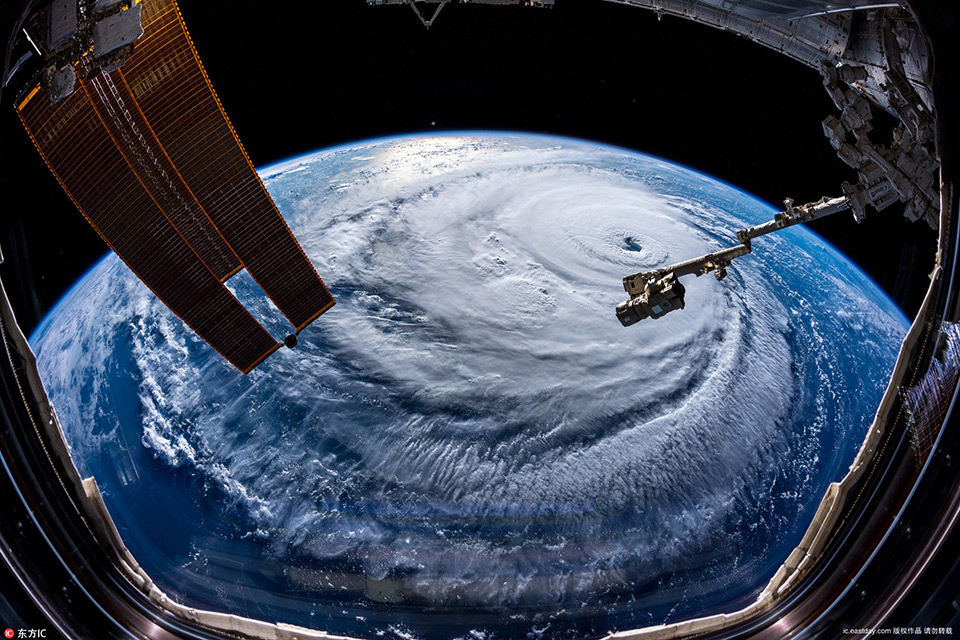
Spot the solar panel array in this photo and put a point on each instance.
(148, 155)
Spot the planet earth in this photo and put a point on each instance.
(469, 444)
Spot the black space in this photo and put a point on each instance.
(306, 76)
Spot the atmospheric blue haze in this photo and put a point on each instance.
(469, 444)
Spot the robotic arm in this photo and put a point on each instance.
(656, 293)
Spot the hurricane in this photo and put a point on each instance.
(470, 429)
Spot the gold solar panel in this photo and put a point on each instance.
(200, 141)
(128, 128)
(149, 157)
(92, 170)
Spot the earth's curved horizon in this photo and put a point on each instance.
(469, 442)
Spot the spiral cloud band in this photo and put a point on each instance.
(471, 426)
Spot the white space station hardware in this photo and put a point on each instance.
(653, 294)
(105, 28)
(872, 57)
(868, 61)
(440, 4)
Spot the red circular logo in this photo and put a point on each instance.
(8, 633)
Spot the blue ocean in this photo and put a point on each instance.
(469, 445)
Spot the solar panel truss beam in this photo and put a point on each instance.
(148, 155)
